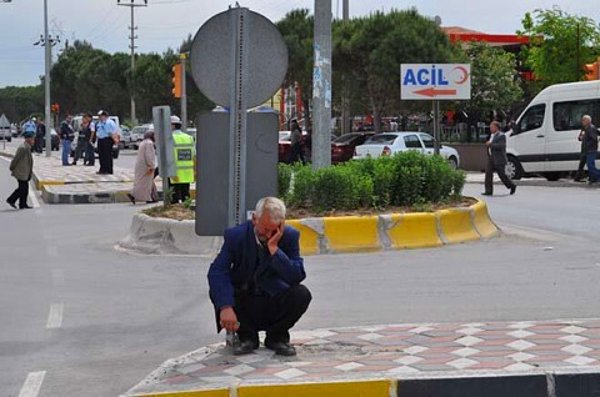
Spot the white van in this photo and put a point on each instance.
(544, 139)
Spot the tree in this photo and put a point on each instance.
(297, 29)
(370, 50)
(494, 81)
(561, 44)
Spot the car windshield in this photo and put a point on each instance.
(139, 130)
(383, 139)
(345, 139)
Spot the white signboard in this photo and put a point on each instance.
(447, 81)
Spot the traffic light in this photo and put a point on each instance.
(592, 70)
(55, 108)
(177, 80)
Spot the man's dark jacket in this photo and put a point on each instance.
(498, 149)
(591, 139)
(237, 265)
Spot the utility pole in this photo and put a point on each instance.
(346, 123)
(321, 138)
(132, 5)
(184, 118)
(47, 41)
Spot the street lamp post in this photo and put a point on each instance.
(48, 56)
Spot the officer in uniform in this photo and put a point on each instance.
(185, 154)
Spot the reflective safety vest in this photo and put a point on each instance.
(185, 157)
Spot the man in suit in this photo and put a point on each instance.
(591, 148)
(21, 167)
(497, 161)
(255, 280)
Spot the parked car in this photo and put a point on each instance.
(130, 139)
(544, 138)
(342, 148)
(389, 143)
(14, 130)
(6, 134)
(137, 135)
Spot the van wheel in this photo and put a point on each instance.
(513, 169)
(552, 176)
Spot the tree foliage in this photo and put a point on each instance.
(494, 81)
(561, 44)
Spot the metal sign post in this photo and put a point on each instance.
(164, 142)
(184, 116)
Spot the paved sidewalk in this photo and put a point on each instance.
(392, 351)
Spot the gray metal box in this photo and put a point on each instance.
(212, 184)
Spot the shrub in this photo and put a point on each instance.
(406, 179)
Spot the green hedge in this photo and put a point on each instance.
(406, 179)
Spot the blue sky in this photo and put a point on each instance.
(165, 23)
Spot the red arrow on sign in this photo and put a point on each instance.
(432, 92)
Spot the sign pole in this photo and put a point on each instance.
(162, 124)
(436, 126)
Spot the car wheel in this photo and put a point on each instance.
(453, 162)
(513, 169)
(552, 176)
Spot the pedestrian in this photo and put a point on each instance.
(582, 158)
(82, 142)
(497, 160)
(21, 168)
(185, 160)
(40, 136)
(591, 148)
(67, 135)
(90, 137)
(107, 133)
(296, 143)
(144, 188)
(255, 281)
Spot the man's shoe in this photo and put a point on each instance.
(281, 348)
(513, 189)
(246, 346)
(487, 194)
(12, 204)
(131, 198)
(25, 207)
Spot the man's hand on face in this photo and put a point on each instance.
(228, 319)
(273, 242)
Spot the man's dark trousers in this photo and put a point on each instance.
(593, 172)
(498, 168)
(105, 155)
(90, 156)
(20, 194)
(275, 315)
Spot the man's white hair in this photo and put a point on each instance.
(273, 206)
(587, 117)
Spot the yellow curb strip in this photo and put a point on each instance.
(456, 226)
(414, 231)
(352, 234)
(309, 239)
(482, 221)
(377, 388)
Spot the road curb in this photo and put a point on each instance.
(394, 231)
(330, 235)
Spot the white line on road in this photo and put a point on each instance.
(33, 384)
(55, 317)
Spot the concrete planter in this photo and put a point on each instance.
(161, 236)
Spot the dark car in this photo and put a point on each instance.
(54, 139)
(342, 148)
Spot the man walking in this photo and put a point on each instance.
(21, 167)
(582, 159)
(255, 280)
(40, 136)
(107, 132)
(67, 135)
(90, 137)
(497, 161)
(591, 148)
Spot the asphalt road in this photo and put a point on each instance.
(95, 321)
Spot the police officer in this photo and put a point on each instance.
(185, 153)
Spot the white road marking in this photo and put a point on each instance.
(33, 384)
(58, 277)
(55, 317)
(33, 198)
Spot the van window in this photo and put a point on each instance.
(567, 115)
(533, 118)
